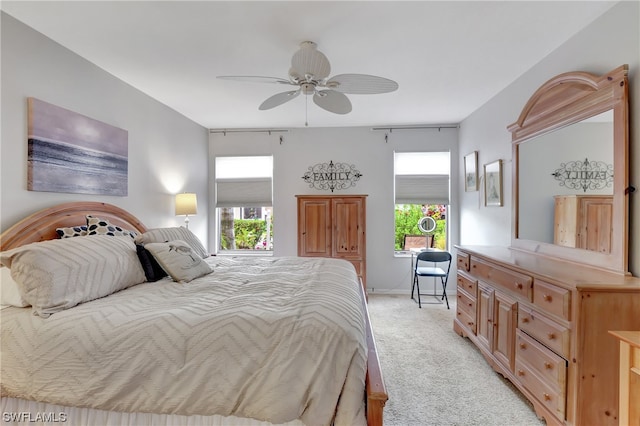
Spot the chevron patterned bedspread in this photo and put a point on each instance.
(273, 339)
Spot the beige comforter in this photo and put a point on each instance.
(274, 339)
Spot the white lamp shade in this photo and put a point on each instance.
(186, 204)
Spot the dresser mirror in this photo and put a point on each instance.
(570, 170)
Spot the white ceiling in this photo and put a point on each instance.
(448, 57)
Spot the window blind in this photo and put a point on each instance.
(244, 192)
(422, 189)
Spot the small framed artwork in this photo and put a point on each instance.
(471, 172)
(493, 183)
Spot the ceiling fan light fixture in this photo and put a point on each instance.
(309, 61)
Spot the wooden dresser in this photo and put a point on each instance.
(543, 323)
(334, 226)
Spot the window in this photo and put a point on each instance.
(421, 189)
(244, 206)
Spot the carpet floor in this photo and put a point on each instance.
(435, 377)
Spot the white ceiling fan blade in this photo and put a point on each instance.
(361, 84)
(332, 101)
(278, 99)
(256, 79)
(309, 61)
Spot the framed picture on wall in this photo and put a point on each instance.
(493, 183)
(471, 172)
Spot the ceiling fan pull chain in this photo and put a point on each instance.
(306, 111)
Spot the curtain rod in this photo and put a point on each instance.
(443, 126)
(225, 131)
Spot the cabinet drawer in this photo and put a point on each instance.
(549, 333)
(466, 303)
(551, 368)
(468, 321)
(551, 298)
(469, 285)
(515, 282)
(553, 399)
(463, 261)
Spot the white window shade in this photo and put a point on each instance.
(244, 192)
(422, 189)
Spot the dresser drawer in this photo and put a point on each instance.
(515, 282)
(463, 261)
(553, 399)
(552, 299)
(551, 368)
(468, 321)
(466, 303)
(549, 333)
(469, 285)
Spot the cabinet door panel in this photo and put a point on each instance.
(348, 226)
(315, 229)
(505, 311)
(485, 315)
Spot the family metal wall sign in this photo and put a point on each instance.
(333, 176)
(585, 175)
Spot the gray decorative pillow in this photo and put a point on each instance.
(179, 260)
(58, 274)
(162, 235)
(72, 231)
(97, 226)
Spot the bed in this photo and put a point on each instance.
(259, 340)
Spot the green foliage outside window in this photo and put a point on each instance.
(250, 234)
(407, 217)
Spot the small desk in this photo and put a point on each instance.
(629, 393)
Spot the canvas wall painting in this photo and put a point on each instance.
(69, 152)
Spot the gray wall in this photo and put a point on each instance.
(610, 41)
(372, 156)
(167, 152)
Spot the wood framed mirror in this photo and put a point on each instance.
(570, 147)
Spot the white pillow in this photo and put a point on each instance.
(9, 291)
(179, 260)
(58, 274)
(162, 235)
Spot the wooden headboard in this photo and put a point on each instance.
(42, 225)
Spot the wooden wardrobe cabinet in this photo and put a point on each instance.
(583, 221)
(544, 323)
(333, 226)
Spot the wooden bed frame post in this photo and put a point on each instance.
(376, 392)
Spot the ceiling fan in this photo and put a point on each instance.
(309, 71)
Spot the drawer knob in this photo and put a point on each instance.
(525, 320)
(519, 286)
(547, 397)
(470, 323)
(547, 298)
(470, 304)
(551, 336)
(523, 346)
(548, 365)
(520, 373)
